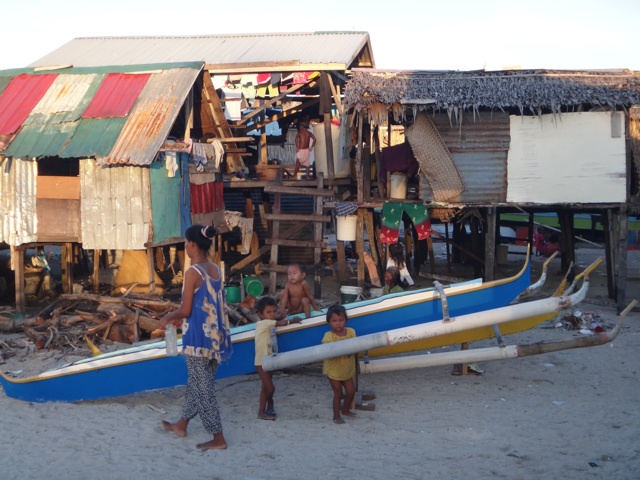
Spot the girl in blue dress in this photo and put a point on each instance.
(206, 339)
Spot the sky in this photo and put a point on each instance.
(405, 34)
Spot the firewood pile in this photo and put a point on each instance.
(73, 323)
(77, 321)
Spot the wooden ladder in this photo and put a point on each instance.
(220, 125)
(317, 219)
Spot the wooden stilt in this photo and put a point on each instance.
(17, 264)
(96, 270)
(461, 368)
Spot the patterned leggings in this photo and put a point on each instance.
(200, 397)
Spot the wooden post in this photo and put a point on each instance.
(317, 237)
(17, 265)
(96, 270)
(359, 177)
(360, 246)
(623, 234)
(325, 110)
(67, 268)
(490, 245)
(567, 238)
(151, 270)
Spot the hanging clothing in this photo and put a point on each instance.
(398, 158)
(392, 216)
(235, 219)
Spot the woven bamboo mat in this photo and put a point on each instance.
(436, 162)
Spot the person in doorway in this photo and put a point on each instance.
(296, 296)
(341, 371)
(206, 339)
(268, 312)
(396, 260)
(305, 141)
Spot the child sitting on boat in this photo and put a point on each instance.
(341, 371)
(296, 296)
(267, 311)
(391, 281)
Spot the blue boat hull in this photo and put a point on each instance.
(144, 368)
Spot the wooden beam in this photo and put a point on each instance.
(288, 112)
(298, 191)
(295, 243)
(297, 217)
(266, 105)
(265, 67)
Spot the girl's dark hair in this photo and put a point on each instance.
(201, 236)
(265, 302)
(337, 309)
(396, 252)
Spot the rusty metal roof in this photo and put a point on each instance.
(55, 125)
(257, 52)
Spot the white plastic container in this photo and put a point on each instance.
(346, 228)
(341, 166)
(398, 185)
(171, 340)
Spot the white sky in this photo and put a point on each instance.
(405, 34)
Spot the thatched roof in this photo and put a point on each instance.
(529, 91)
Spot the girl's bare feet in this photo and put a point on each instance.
(338, 420)
(178, 428)
(218, 443)
(349, 413)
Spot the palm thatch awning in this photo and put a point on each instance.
(527, 91)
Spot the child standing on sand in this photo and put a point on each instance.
(341, 370)
(267, 311)
(296, 296)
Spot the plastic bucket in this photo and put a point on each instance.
(375, 292)
(233, 294)
(350, 294)
(253, 286)
(398, 186)
(346, 228)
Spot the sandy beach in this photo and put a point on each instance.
(571, 414)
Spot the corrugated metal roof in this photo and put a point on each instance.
(55, 127)
(151, 118)
(286, 49)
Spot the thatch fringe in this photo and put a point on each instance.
(524, 90)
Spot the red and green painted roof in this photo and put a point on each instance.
(117, 115)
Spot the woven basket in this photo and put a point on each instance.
(436, 162)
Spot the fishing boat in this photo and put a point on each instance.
(147, 367)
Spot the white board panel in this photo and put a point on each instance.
(568, 158)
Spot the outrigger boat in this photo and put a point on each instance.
(147, 367)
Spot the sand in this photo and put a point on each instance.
(571, 415)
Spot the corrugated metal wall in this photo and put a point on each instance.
(116, 206)
(18, 222)
(479, 148)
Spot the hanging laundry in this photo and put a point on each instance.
(199, 156)
(249, 82)
(392, 216)
(235, 219)
(218, 153)
(398, 158)
(171, 163)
